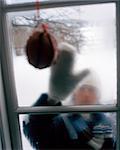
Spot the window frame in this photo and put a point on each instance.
(11, 108)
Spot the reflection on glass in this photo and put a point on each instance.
(21, 1)
(89, 29)
(61, 131)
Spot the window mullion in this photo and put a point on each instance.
(118, 71)
(64, 109)
(8, 84)
(4, 126)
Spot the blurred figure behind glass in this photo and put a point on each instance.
(85, 131)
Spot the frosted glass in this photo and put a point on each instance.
(21, 1)
(26, 144)
(90, 30)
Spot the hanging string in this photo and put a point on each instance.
(43, 25)
(47, 35)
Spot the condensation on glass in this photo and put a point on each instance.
(67, 118)
(90, 30)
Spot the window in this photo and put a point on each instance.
(93, 33)
(87, 29)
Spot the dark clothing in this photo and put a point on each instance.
(68, 131)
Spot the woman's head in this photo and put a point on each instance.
(88, 91)
(86, 95)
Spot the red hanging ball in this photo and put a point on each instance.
(41, 48)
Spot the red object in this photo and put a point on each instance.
(37, 9)
(41, 48)
(45, 27)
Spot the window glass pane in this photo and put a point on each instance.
(89, 29)
(69, 130)
(22, 1)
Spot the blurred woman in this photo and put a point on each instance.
(85, 131)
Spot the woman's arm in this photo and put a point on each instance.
(37, 128)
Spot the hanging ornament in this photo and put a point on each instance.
(41, 46)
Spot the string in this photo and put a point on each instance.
(37, 9)
(44, 25)
(45, 29)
